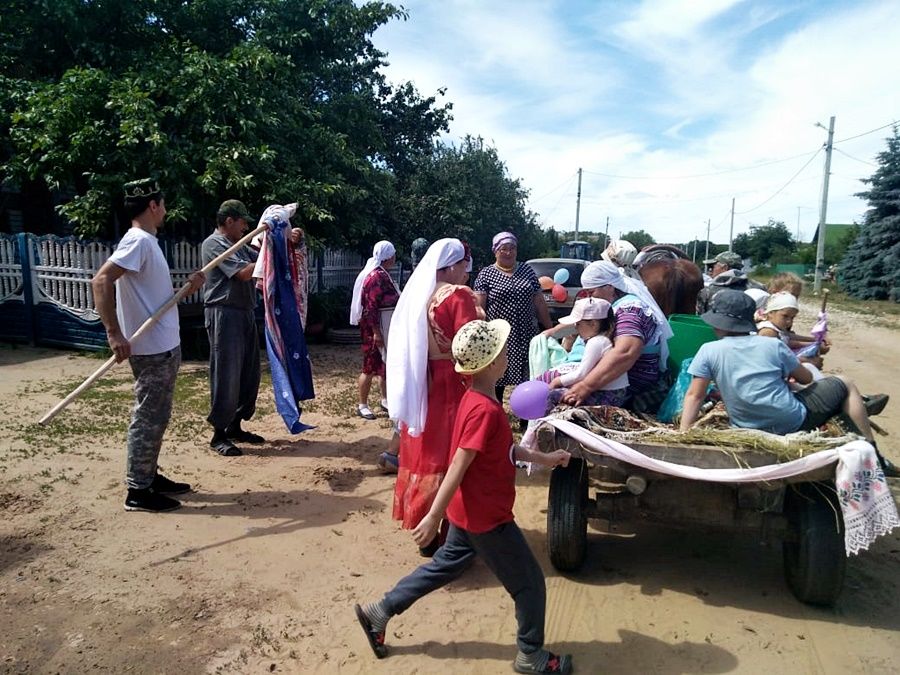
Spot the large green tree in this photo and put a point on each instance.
(871, 267)
(766, 244)
(465, 191)
(638, 238)
(263, 100)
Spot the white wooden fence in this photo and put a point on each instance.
(59, 270)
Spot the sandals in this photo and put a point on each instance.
(376, 639)
(226, 448)
(388, 462)
(365, 412)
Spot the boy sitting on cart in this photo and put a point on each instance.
(750, 371)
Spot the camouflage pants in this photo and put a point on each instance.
(154, 389)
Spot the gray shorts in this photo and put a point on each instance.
(823, 400)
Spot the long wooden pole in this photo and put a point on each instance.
(183, 291)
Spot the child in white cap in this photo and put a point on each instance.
(595, 323)
(476, 497)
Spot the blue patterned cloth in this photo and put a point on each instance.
(285, 341)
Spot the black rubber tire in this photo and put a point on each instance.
(567, 515)
(815, 563)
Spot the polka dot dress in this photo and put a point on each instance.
(511, 297)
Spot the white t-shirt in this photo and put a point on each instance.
(144, 288)
(594, 349)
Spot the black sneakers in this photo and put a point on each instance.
(243, 436)
(162, 484)
(148, 500)
(875, 403)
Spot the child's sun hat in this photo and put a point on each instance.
(781, 300)
(478, 343)
(587, 308)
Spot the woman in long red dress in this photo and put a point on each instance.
(425, 389)
(373, 291)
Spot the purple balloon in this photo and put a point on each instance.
(529, 400)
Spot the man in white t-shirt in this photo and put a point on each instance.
(130, 286)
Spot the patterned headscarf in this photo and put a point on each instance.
(503, 238)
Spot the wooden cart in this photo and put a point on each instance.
(801, 512)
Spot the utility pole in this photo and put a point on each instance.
(706, 255)
(798, 224)
(606, 234)
(578, 204)
(820, 245)
(731, 231)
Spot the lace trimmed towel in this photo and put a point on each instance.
(866, 501)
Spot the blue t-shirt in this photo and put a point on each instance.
(750, 372)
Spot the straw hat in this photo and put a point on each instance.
(478, 343)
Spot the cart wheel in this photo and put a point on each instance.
(815, 562)
(567, 515)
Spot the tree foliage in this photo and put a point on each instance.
(638, 238)
(465, 191)
(871, 267)
(766, 244)
(262, 100)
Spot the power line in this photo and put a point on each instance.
(544, 196)
(856, 159)
(866, 133)
(700, 175)
(778, 191)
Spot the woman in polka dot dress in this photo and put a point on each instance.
(510, 290)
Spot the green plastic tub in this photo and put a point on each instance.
(690, 332)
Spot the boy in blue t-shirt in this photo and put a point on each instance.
(476, 497)
(751, 372)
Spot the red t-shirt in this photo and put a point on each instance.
(487, 493)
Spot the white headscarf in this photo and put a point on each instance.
(407, 353)
(383, 250)
(602, 273)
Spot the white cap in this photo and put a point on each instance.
(782, 300)
(759, 296)
(587, 308)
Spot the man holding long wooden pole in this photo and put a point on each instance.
(138, 273)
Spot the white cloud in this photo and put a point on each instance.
(670, 90)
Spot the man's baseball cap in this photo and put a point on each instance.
(234, 209)
(728, 258)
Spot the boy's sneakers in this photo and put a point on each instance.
(148, 500)
(542, 661)
(162, 484)
(374, 632)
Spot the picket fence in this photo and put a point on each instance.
(45, 285)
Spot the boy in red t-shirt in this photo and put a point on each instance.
(476, 497)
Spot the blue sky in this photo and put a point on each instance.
(670, 108)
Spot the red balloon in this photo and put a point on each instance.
(559, 293)
(546, 283)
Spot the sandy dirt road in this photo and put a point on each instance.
(259, 571)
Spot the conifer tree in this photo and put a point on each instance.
(870, 270)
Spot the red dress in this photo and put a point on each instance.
(378, 291)
(424, 459)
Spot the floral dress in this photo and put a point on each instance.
(424, 459)
(378, 292)
(511, 297)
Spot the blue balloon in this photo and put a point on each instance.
(529, 400)
(561, 275)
